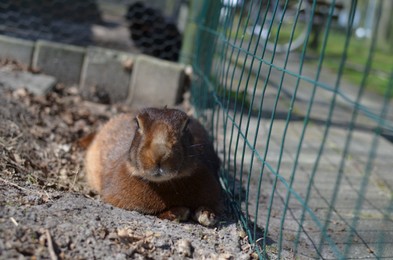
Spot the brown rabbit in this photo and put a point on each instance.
(158, 162)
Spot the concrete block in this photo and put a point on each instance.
(36, 83)
(104, 72)
(16, 49)
(155, 82)
(60, 60)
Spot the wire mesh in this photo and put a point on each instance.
(297, 95)
(150, 27)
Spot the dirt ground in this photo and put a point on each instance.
(46, 208)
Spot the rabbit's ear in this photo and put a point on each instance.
(142, 120)
(185, 124)
(138, 123)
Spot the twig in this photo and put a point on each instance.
(15, 165)
(14, 185)
(23, 189)
(72, 186)
(51, 250)
(14, 221)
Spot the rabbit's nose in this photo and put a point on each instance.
(160, 152)
(158, 171)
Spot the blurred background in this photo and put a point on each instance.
(156, 27)
(151, 27)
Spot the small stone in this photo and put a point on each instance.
(127, 64)
(185, 248)
(254, 255)
(122, 232)
(242, 233)
(225, 256)
(42, 240)
(205, 217)
(112, 236)
(149, 233)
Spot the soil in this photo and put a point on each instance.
(47, 209)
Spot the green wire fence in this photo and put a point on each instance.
(297, 96)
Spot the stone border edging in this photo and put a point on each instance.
(154, 82)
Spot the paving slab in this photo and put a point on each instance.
(156, 82)
(104, 71)
(62, 61)
(374, 214)
(16, 49)
(375, 199)
(36, 83)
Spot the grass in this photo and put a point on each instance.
(357, 56)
